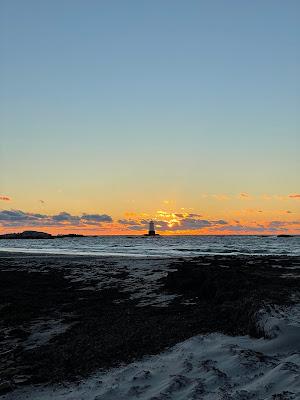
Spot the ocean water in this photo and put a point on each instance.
(160, 246)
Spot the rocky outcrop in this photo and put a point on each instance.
(37, 235)
(27, 235)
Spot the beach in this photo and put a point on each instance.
(66, 318)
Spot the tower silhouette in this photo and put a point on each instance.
(151, 231)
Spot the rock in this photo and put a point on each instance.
(27, 235)
(284, 236)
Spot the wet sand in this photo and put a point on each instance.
(65, 317)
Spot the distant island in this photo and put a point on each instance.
(285, 236)
(36, 235)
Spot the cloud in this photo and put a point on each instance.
(283, 223)
(167, 201)
(165, 225)
(96, 218)
(276, 224)
(18, 217)
(128, 222)
(182, 222)
(66, 217)
(220, 222)
(244, 195)
(196, 223)
(279, 197)
(21, 218)
(5, 198)
(192, 223)
(137, 227)
(192, 215)
(242, 228)
(270, 227)
(188, 224)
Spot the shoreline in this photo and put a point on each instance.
(16, 253)
(64, 317)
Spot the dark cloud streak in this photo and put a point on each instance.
(19, 218)
(5, 198)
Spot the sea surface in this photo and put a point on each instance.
(159, 246)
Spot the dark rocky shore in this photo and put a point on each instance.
(64, 317)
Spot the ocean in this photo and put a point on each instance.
(159, 246)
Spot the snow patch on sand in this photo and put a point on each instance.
(208, 367)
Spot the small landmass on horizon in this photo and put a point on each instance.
(37, 235)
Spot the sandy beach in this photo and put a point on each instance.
(66, 318)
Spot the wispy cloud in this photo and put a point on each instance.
(129, 222)
(242, 229)
(244, 195)
(280, 197)
(195, 224)
(96, 218)
(271, 227)
(5, 198)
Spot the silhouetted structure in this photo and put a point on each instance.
(151, 231)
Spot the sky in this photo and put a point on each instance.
(116, 112)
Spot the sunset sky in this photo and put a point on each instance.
(116, 112)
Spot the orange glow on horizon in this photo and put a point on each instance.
(241, 213)
(116, 229)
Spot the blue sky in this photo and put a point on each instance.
(111, 99)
